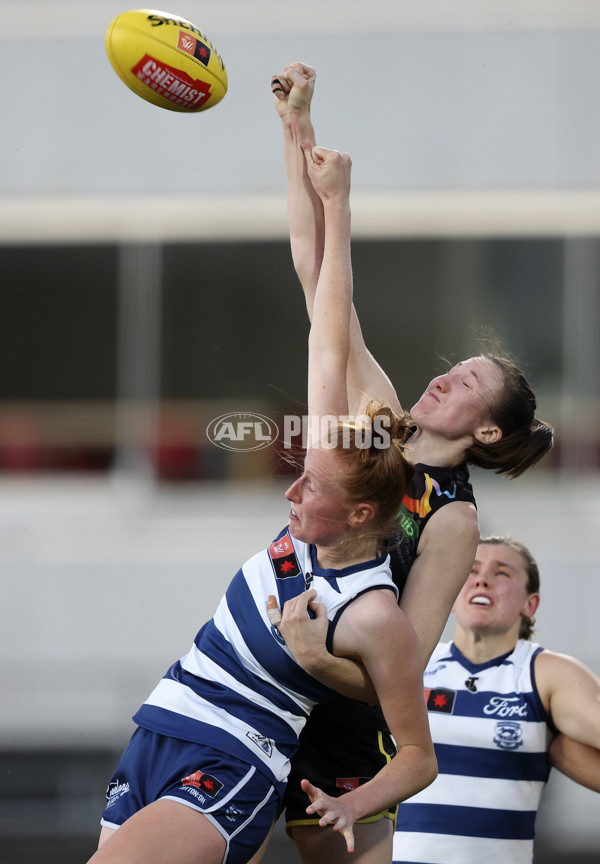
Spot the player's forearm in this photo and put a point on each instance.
(365, 377)
(346, 676)
(577, 761)
(305, 211)
(333, 299)
(411, 770)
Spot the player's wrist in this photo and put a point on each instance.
(298, 119)
(337, 203)
(316, 663)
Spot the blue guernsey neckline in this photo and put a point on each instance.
(332, 573)
(478, 667)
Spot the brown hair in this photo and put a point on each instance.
(533, 575)
(381, 473)
(525, 439)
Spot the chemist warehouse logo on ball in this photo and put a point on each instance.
(242, 432)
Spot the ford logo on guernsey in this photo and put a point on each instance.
(243, 432)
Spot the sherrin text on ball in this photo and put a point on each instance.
(166, 60)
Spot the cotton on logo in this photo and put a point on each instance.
(242, 432)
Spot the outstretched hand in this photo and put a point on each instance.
(333, 811)
(293, 89)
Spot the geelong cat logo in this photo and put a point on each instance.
(509, 735)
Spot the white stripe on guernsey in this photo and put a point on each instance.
(454, 849)
(182, 700)
(481, 731)
(463, 791)
(225, 624)
(202, 666)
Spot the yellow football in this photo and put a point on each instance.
(166, 60)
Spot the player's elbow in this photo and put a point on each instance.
(431, 770)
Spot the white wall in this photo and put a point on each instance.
(422, 99)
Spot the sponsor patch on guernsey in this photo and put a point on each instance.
(440, 699)
(283, 557)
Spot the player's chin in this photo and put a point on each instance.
(295, 528)
(418, 410)
(298, 532)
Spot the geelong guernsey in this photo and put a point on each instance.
(491, 736)
(239, 689)
(431, 489)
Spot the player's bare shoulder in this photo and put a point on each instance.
(455, 522)
(369, 617)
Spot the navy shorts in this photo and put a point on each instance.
(238, 799)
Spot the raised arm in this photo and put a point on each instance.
(292, 94)
(293, 89)
(329, 338)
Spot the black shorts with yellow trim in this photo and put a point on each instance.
(337, 758)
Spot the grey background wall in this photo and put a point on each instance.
(421, 95)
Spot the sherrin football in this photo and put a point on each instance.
(166, 60)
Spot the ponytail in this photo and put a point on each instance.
(525, 439)
(381, 474)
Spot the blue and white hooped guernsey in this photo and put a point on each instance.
(239, 688)
(491, 736)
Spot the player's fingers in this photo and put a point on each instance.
(321, 153)
(302, 601)
(307, 150)
(318, 609)
(313, 792)
(348, 835)
(312, 154)
(273, 611)
(279, 86)
(308, 71)
(299, 74)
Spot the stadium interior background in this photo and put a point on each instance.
(147, 288)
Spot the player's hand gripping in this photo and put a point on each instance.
(329, 172)
(293, 89)
(303, 634)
